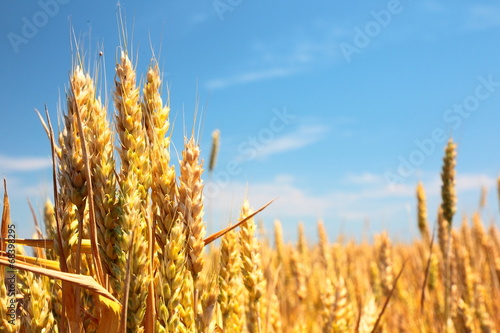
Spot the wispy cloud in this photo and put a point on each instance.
(23, 163)
(300, 138)
(295, 201)
(310, 47)
(364, 178)
(248, 77)
(433, 6)
(375, 185)
(198, 18)
(483, 17)
(474, 182)
(291, 201)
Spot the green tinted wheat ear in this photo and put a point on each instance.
(252, 270)
(135, 181)
(170, 282)
(448, 195)
(215, 150)
(186, 311)
(37, 315)
(423, 225)
(433, 272)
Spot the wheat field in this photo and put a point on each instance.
(123, 246)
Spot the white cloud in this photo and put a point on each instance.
(248, 77)
(294, 203)
(302, 137)
(468, 182)
(364, 178)
(198, 18)
(23, 163)
(292, 54)
(305, 49)
(483, 17)
(433, 6)
(21, 188)
(291, 201)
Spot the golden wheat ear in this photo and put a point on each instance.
(135, 182)
(191, 208)
(251, 269)
(230, 283)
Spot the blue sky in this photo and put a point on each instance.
(336, 108)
